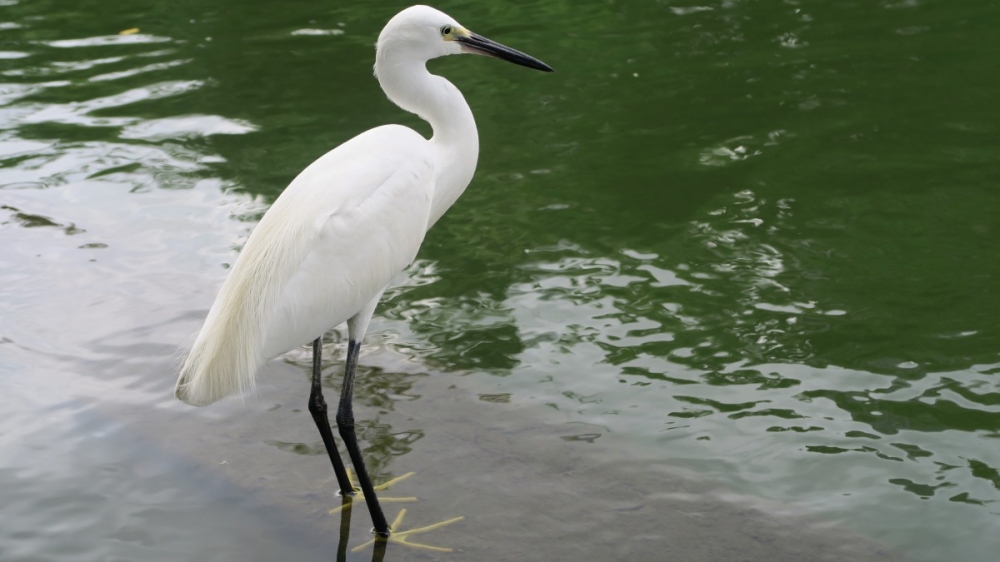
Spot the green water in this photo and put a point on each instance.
(756, 240)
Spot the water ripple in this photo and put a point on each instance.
(106, 41)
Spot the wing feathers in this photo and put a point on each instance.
(370, 187)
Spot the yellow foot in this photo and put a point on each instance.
(403, 537)
(359, 495)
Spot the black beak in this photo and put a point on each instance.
(482, 46)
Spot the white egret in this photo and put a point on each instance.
(327, 248)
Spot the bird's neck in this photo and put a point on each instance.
(455, 141)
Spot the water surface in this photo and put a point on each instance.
(738, 256)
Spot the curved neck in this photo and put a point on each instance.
(455, 143)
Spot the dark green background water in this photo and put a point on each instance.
(754, 239)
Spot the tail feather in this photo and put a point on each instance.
(226, 355)
(228, 351)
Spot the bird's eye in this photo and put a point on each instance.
(446, 30)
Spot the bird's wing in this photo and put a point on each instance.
(361, 246)
(349, 222)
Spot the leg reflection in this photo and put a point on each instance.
(345, 535)
(345, 529)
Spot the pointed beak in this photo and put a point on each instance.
(480, 45)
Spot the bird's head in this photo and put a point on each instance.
(421, 33)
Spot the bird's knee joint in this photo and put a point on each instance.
(345, 424)
(317, 405)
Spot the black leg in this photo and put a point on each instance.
(317, 407)
(345, 423)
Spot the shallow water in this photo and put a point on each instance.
(737, 259)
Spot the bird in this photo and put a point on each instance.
(329, 245)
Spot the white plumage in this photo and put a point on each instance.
(327, 248)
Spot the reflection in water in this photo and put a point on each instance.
(722, 332)
(722, 322)
(379, 549)
(762, 247)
